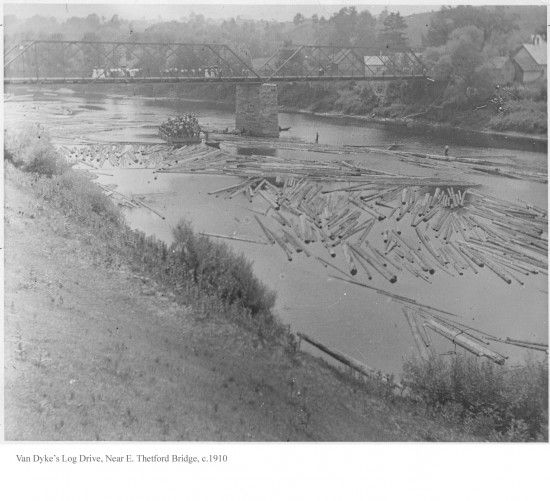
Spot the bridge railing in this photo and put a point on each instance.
(99, 60)
(341, 61)
(89, 61)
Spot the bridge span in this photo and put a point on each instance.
(62, 62)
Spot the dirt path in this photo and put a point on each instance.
(95, 352)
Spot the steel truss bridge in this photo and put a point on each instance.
(85, 62)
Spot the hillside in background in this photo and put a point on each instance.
(259, 36)
(529, 19)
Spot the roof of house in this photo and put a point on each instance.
(537, 52)
(373, 61)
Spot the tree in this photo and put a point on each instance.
(344, 24)
(298, 19)
(365, 32)
(392, 35)
(488, 20)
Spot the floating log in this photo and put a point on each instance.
(416, 334)
(230, 237)
(150, 208)
(393, 296)
(326, 263)
(362, 263)
(296, 243)
(349, 259)
(378, 267)
(268, 235)
(457, 337)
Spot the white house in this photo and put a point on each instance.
(530, 61)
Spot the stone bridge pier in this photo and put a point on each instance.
(256, 109)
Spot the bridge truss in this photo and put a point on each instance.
(60, 61)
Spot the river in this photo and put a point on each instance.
(356, 321)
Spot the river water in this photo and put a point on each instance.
(354, 320)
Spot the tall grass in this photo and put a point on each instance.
(500, 402)
(31, 150)
(522, 116)
(198, 269)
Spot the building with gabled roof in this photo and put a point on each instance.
(530, 61)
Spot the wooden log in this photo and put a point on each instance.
(416, 334)
(470, 263)
(425, 265)
(326, 263)
(374, 264)
(231, 237)
(296, 243)
(384, 259)
(393, 260)
(456, 336)
(542, 345)
(280, 218)
(393, 296)
(150, 208)
(362, 263)
(352, 230)
(364, 235)
(499, 272)
(349, 259)
(266, 232)
(428, 247)
(348, 361)
(281, 244)
(230, 188)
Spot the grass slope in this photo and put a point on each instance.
(96, 351)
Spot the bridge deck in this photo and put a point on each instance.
(272, 79)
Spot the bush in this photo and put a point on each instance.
(303, 96)
(32, 151)
(75, 195)
(193, 263)
(506, 403)
(524, 116)
(215, 268)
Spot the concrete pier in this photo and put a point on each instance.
(256, 109)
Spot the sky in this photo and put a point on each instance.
(283, 11)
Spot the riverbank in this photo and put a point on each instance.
(81, 238)
(420, 126)
(96, 351)
(222, 96)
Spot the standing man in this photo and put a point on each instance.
(317, 138)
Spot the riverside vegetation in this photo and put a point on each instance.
(483, 400)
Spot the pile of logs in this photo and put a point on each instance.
(139, 156)
(475, 341)
(452, 229)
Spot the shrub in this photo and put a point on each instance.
(75, 195)
(507, 403)
(32, 151)
(215, 268)
(524, 115)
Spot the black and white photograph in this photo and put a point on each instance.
(273, 223)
